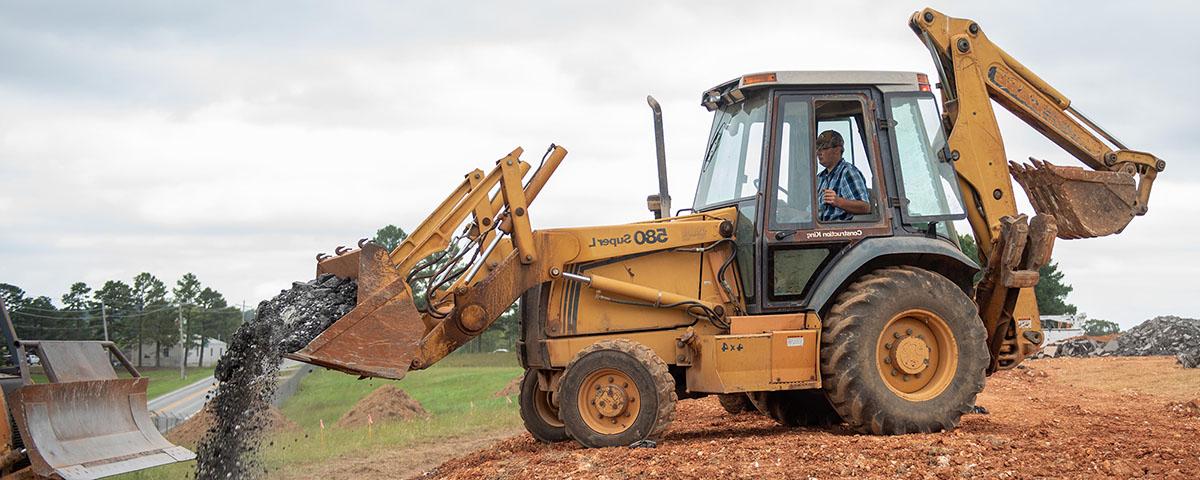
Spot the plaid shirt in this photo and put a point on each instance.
(847, 182)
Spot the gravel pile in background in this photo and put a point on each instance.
(1169, 335)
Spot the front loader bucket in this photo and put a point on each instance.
(1084, 203)
(87, 423)
(382, 335)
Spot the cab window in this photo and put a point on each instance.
(734, 154)
(793, 182)
(856, 179)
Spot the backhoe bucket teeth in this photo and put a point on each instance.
(1084, 203)
(381, 336)
(87, 423)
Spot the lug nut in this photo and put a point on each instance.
(905, 377)
(610, 379)
(895, 372)
(908, 332)
(887, 360)
(888, 345)
(896, 334)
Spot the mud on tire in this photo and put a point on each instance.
(538, 412)
(616, 392)
(856, 331)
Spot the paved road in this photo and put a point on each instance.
(175, 407)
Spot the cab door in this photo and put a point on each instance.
(798, 244)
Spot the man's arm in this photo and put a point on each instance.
(851, 194)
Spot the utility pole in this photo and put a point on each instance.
(243, 310)
(104, 319)
(182, 347)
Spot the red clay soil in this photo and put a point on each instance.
(1037, 428)
(513, 389)
(386, 403)
(192, 430)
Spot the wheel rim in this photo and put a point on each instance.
(917, 355)
(609, 401)
(543, 403)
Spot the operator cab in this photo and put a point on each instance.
(762, 157)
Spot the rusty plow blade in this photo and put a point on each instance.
(382, 335)
(88, 423)
(1084, 203)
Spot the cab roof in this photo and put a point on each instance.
(887, 80)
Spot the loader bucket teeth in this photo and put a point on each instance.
(88, 423)
(1085, 203)
(381, 336)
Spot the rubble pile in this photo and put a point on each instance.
(248, 372)
(1169, 335)
(1083, 347)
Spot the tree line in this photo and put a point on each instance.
(133, 315)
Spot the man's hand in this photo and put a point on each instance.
(829, 197)
(857, 207)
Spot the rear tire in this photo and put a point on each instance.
(796, 408)
(538, 411)
(736, 403)
(903, 351)
(616, 392)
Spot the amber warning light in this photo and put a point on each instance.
(758, 78)
(923, 82)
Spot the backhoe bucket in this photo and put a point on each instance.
(1084, 203)
(382, 335)
(87, 423)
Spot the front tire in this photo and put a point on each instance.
(616, 392)
(903, 351)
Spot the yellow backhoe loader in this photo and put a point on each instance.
(873, 319)
(83, 421)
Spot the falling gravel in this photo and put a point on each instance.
(247, 373)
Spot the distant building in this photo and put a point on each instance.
(170, 356)
(1057, 328)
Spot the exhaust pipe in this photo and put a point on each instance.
(660, 204)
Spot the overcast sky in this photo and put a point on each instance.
(236, 141)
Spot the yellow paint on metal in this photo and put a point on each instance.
(917, 355)
(609, 401)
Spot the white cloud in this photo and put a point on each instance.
(237, 143)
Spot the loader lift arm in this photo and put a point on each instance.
(389, 332)
(1071, 202)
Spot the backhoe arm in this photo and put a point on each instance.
(1072, 202)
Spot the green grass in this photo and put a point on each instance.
(162, 380)
(458, 393)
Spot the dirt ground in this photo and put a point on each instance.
(1057, 418)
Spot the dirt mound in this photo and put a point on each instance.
(191, 431)
(511, 390)
(1185, 409)
(386, 403)
(1043, 429)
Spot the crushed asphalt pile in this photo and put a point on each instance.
(1168, 335)
(386, 403)
(247, 373)
(191, 431)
